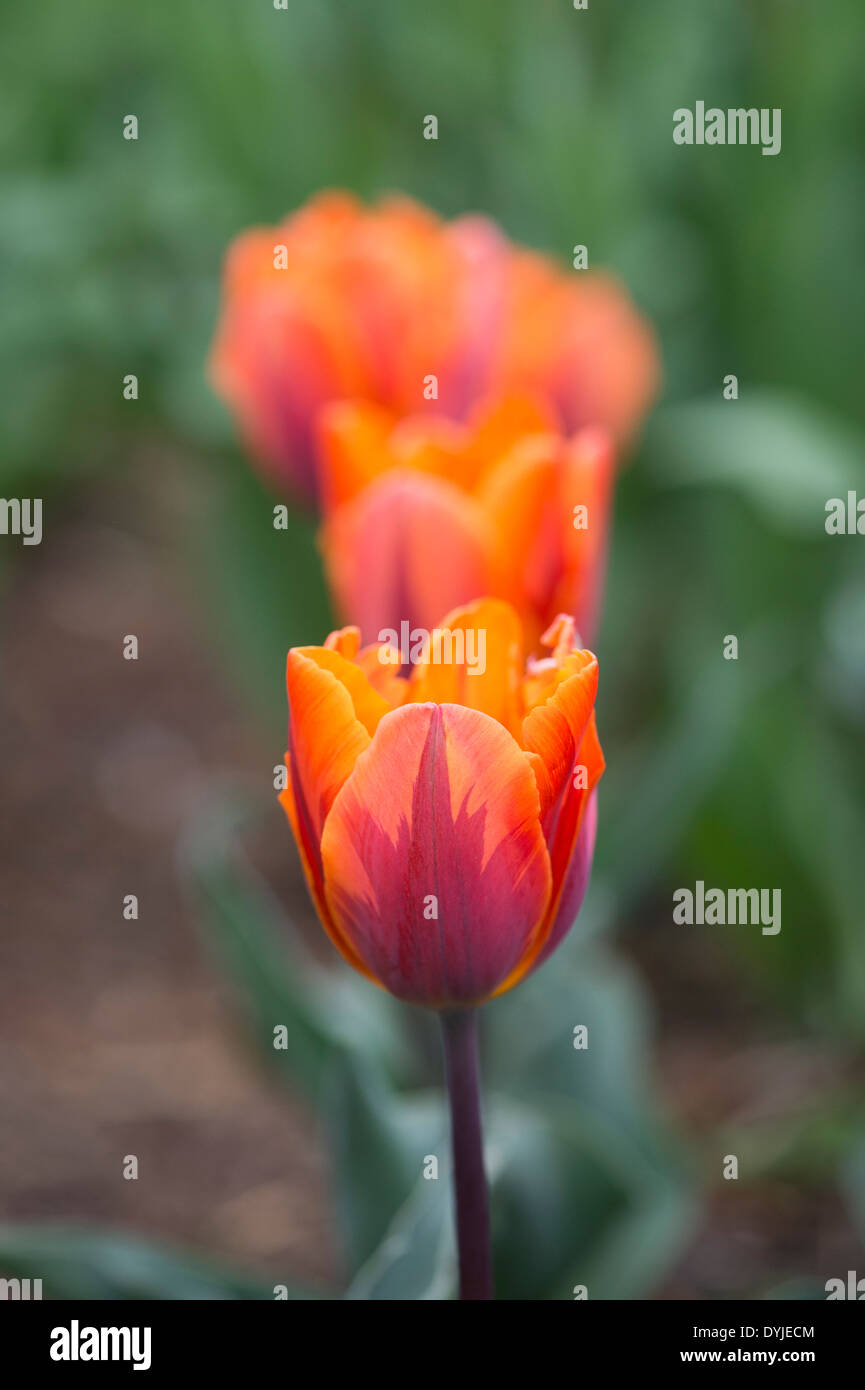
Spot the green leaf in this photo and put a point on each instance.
(591, 1180)
(265, 586)
(649, 800)
(331, 1018)
(571, 1202)
(852, 1177)
(83, 1263)
(827, 847)
(785, 455)
(345, 1040)
(795, 1290)
(623, 1217)
(378, 1141)
(416, 1259)
(586, 1185)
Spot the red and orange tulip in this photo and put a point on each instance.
(342, 301)
(446, 821)
(454, 403)
(423, 516)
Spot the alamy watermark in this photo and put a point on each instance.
(845, 518)
(702, 906)
(77, 1343)
(852, 1288)
(22, 516)
(442, 646)
(735, 126)
(20, 1290)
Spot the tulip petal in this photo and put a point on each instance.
(560, 736)
(521, 497)
(587, 479)
(572, 856)
(326, 737)
(353, 449)
(286, 345)
(341, 301)
(575, 883)
(367, 703)
(606, 369)
(496, 427)
(531, 497)
(333, 711)
(345, 640)
(435, 867)
(310, 859)
(409, 547)
(564, 825)
(489, 637)
(554, 731)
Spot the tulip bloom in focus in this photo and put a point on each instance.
(342, 301)
(446, 822)
(422, 516)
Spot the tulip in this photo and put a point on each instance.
(446, 826)
(421, 516)
(394, 306)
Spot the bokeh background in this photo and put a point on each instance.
(153, 1037)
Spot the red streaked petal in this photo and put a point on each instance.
(571, 896)
(326, 738)
(408, 548)
(442, 808)
(310, 859)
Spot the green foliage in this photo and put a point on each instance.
(582, 1169)
(265, 585)
(90, 1264)
(558, 123)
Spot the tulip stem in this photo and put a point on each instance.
(460, 1041)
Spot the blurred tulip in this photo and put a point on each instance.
(422, 516)
(340, 300)
(446, 821)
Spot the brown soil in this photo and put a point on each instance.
(118, 1036)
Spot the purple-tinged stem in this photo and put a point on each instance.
(460, 1040)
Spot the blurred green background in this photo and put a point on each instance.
(742, 773)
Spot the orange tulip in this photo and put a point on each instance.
(422, 516)
(446, 821)
(344, 301)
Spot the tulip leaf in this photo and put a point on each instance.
(584, 1167)
(78, 1262)
(265, 585)
(329, 1017)
(852, 1178)
(532, 1039)
(592, 1205)
(594, 1175)
(780, 452)
(344, 1041)
(812, 860)
(648, 803)
(565, 1185)
(416, 1259)
(828, 847)
(795, 1290)
(378, 1142)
